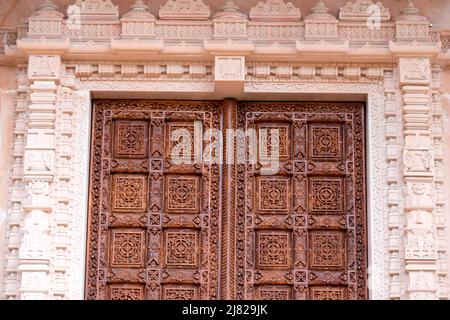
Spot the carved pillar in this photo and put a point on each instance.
(418, 174)
(34, 252)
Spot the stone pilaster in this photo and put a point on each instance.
(419, 175)
(38, 175)
(441, 185)
(393, 180)
(16, 188)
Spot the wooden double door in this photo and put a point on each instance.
(211, 200)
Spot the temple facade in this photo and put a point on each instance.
(93, 206)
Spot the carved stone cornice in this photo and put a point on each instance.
(363, 10)
(275, 10)
(184, 10)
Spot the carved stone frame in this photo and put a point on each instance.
(375, 164)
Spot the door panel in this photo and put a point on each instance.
(154, 216)
(303, 224)
(285, 222)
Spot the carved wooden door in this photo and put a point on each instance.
(302, 226)
(283, 218)
(153, 222)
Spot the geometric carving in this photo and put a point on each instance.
(274, 293)
(275, 10)
(364, 10)
(273, 195)
(318, 252)
(129, 193)
(47, 21)
(147, 223)
(183, 138)
(327, 249)
(328, 293)
(126, 292)
(172, 292)
(130, 139)
(181, 249)
(326, 195)
(273, 249)
(274, 142)
(127, 248)
(326, 142)
(182, 194)
(185, 10)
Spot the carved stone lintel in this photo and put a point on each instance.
(276, 10)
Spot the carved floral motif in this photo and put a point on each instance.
(363, 10)
(185, 9)
(275, 10)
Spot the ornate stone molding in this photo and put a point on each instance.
(97, 8)
(410, 25)
(275, 10)
(185, 10)
(418, 177)
(230, 23)
(47, 21)
(138, 22)
(320, 24)
(39, 176)
(363, 10)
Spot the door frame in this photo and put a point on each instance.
(371, 98)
